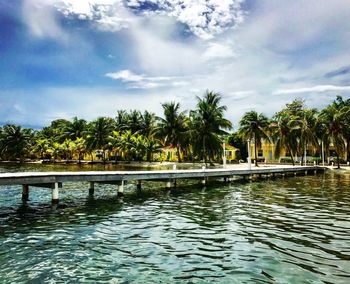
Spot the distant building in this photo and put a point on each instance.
(266, 153)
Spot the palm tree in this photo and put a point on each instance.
(41, 147)
(68, 147)
(148, 124)
(98, 134)
(152, 146)
(172, 127)
(207, 124)
(253, 126)
(15, 142)
(55, 150)
(134, 121)
(283, 130)
(126, 144)
(121, 120)
(334, 119)
(55, 130)
(75, 129)
(80, 147)
(339, 102)
(115, 143)
(138, 147)
(307, 125)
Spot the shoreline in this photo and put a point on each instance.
(166, 164)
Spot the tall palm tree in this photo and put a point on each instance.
(172, 127)
(15, 142)
(339, 102)
(207, 125)
(148, 124)
(284, 134)
(334, 119)
(134, 121)
(254, 126)
(121, 120)
(307, 125)
(98, 134)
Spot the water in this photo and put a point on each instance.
(292, 230)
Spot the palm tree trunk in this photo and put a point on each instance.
(204, 152)
(115, 158)
(291, 155)
(178, 153)
(255, 151)
(338, 161)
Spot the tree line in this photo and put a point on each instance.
(297, 128)
(197, 135)
(132, 136)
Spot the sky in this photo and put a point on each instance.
(66, 58)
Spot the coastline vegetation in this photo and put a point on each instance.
(196, 135)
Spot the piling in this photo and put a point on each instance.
(120, 189)
(55, 193)
(92, 188)
(25, 192)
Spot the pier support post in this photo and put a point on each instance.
(55, 193)
(204, 181)
(92, 188)
(306, 173)
(168, 184)
(139, 184)
(120, 189)
(25, 192)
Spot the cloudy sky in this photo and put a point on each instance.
(65, 58)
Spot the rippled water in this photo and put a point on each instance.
(292, 230)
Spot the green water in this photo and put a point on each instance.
(292, 230)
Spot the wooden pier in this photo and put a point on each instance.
(55, 180)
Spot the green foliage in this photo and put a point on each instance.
(197, 135)
(235, 139)
(15, 142)
(334, 118)
(207, 126)
(172, 128)
(253, 126)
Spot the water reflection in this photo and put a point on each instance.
(292, 230)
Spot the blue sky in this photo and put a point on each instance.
(65, 58)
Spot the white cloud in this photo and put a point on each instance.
(125, 76)
(204, 18)
(145, 82)
(207, 18)
(313, 89)
(40, 19)
(219, 50)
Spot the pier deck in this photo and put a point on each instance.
(54, 180)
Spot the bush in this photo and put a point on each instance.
(286, 160)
